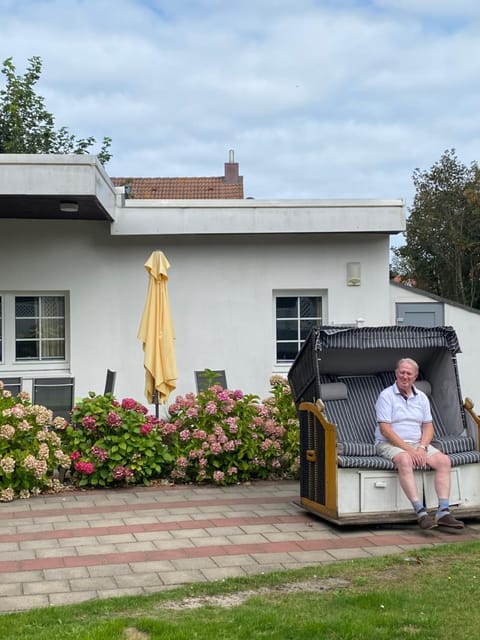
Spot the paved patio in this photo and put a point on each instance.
(82, 545)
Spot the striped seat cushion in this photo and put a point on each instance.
(379, 463)
(467, 457)
(454, 444)
(356, 449)
(365, 462)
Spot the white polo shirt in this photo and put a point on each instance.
(406, 415)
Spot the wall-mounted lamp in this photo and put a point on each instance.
(69, 207)
(354, 274)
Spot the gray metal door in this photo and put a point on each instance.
(420, 314)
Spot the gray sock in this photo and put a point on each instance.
(419, 508)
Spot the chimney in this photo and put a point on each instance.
(231, 170)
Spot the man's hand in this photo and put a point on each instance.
(419, 456)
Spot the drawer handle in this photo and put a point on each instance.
(380, 485)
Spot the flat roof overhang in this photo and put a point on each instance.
(262, 217)
(51, 187)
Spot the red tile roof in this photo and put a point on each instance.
(181, 188)
(227, 186)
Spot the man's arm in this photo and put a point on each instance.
(393, 438)
(427, 434)
(419, 455)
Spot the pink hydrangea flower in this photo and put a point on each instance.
(85, 467)
(113, 419)
(101, 454)
(211, 408)
(89, 423)
(218, 476)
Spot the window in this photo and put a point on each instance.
(295, 316)
(39, 328)
(33, 330)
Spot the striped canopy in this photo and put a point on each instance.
(403, 337)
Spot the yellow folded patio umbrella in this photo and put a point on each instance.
(157, 333)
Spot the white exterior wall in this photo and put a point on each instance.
(228, 258)
(221, 294)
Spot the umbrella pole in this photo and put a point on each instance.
(155, 399)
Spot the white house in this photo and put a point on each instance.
(247, 278)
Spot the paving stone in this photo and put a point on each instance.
(224, 531)
(21, 576)
(283, 536)
(193, 563)
(175, 543)
(145, 545)
(188, 533)
(78, 541)
(154, 536)
(348, 554)
(96, 550)
(10, 604)
(384, 551)
(310, 556)
(154, 566)
(183, 577)
(138, 580)
(47, 586)
(269, 558)
(94, 583)
(69, 597)
(35, 545)
(116, 539)
(65, 573)
(10, 589)
(99, 570)
(56, 552)
(234, 561)
(218, 541)
(246, 538)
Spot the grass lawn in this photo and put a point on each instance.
(427, 594)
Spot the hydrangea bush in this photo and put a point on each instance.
(30, 447)
(219, 435)
(224, 436)
(113, 442)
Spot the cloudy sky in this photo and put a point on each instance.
(318, 98)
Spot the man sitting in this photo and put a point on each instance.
(403, 434)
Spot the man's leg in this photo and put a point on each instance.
(406, 477)
(440, 463)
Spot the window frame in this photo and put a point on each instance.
(294, 293)
(9, 362)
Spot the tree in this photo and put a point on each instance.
(25, 124)
(442, 250)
